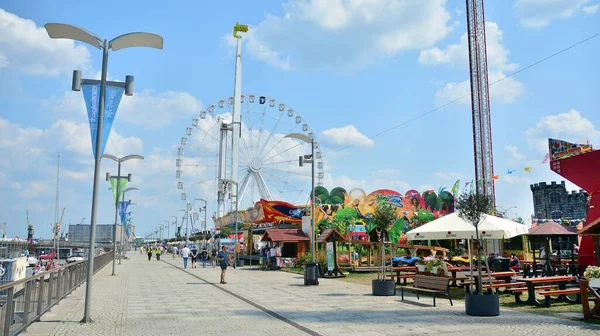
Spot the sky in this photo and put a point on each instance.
(377, 82)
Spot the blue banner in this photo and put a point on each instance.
(128, 225)
(91, 95)
(123, 211)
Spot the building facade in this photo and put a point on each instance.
(553, 201)
(104, 233)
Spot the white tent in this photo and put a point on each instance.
(453, 227)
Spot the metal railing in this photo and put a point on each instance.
(24, 301)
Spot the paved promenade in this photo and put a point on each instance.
(159, 298)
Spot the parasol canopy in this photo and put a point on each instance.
(453, 227)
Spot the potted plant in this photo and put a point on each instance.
(421, 265)
(473, 208)
(592, 274)
(435, 265)
(384, 217)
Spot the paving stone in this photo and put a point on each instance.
(160, 298)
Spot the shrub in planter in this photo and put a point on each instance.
(592, 274)
(473, 208)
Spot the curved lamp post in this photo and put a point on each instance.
(204, 226)
(121, 253)
(310, 159)
(65, 31)
(118, 192)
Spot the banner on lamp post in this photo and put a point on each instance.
(123, 211)
(113, 186)
(91, 96)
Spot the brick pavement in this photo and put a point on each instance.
(159, 298)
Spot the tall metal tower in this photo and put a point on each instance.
(480, 100)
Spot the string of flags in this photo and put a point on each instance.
(509, 172)
(563, 221)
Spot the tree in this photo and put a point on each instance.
(384, 217)
(344, 218)
(473, 208)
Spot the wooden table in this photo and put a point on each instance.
(561, 280)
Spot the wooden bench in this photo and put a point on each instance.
(504, 285)
(570, 291)
(429, 284)
(524, 289)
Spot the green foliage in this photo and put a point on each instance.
(520, 220)
(471, 207)
(336, 196)
(425, 216)
(324, 224)
(396, 230)
(385, 216)
(344, 218)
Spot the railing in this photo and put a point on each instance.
(24, 301)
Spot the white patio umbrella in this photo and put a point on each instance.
(453, 227)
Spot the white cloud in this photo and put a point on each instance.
(570, 126)
(345, 35)
(27, 48)
(516, 179)
(16, 186)
(346, 135)
(156, 110)
(448, 176)
(591, 10)
(457, 55)
(146, 108)
(539, 13)
(514, 153)
(33, 189)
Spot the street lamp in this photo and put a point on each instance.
(117, 194)
(204, 226)
(224, 186)
(121, 253)
(168, 225)
(187, 221)
(65, 31)
(506, 210)
(175, 223)
(311, 159)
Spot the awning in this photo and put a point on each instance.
(453, 227)
(285, 235)
(551, 229)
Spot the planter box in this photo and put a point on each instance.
(482, 305)
(595, 282)
(421, 268)
(383, 287)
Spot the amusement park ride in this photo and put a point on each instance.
(579, 163)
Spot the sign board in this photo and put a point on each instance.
(330, 257)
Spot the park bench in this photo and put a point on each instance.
(504, 285)
(562, 292)
(429, 284)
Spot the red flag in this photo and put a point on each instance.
(546, 158)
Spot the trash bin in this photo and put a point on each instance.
(240, 263)
(311, 274)
(501, 264)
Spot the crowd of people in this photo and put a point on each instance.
(191, 255)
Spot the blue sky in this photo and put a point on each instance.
(351, 69)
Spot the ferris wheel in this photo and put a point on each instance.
(268, 160)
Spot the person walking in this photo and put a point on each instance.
(158, 252)
(149, 251)
(175, 249)
(203, 257)
(213, 257)
(223, 258)
(194, 255)
(185, 254)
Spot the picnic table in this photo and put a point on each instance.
(506, 276)
(589, 294)
(409, 273)
(533, 283)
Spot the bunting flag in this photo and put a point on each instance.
(510, 172)
(91, 96)
(563, 221)
(472, 187)
(455, 188)
(546, 158)
(113, 186)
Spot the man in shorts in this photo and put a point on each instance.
(223, 259)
